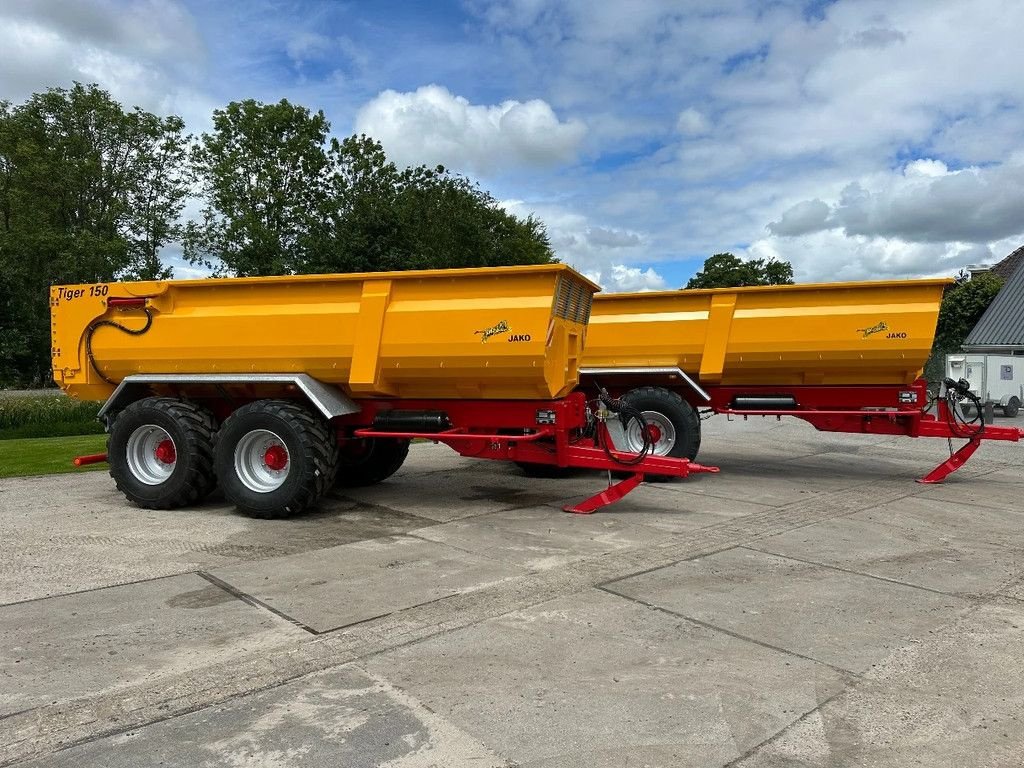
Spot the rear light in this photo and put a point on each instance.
(127, 301)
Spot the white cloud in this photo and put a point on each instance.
(810, 116)
(604, 254)
(878, 138)
(831, 255)
(305, 46)
(433, 126)
(692, 122)
(806, 216)
(926, 203)
(620, 278)
(144, 53)
(926, 167)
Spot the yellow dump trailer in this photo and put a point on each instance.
(844, 357)
(815, 334)
(513, 332)
(276, 389)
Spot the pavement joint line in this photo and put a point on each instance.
(141, 702)
(870, 677)
(735, 762)
(768, 534)
(253, 601)
(249, 553)
(19, 712)
(95, 589)
(976, 504)
(645, 571)
(1000, 598)
(846, 673)
(484, 555)
(854, 484)
(171, 715)
(392, 613)
(852, 572)
(431, 522)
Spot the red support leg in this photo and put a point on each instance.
(609, 495)
(953, 463)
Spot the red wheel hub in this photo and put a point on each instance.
(654, 432)
(276, 458)
(165, 452)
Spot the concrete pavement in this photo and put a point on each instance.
(810, 606)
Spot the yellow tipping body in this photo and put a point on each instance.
(820, 334)
(504, 332)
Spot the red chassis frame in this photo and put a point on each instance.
(519, 430)
(878, 410)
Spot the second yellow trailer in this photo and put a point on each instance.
(845, 357)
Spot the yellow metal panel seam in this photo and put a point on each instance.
(364, 373)
(719, 325)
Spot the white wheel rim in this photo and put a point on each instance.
(151, 454)
(664, 429)
(262, 462)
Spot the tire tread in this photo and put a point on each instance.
(199, 427)
(319, 449)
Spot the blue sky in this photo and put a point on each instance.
(856, 139)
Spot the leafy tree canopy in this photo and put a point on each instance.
(962, 307)
(723, 270)
(88, 192)
(281, 199)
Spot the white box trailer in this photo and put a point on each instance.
(996, 379)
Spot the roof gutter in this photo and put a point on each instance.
(993, 348)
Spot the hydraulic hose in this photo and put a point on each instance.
(956, 393)
(97, 324)
(626, 413)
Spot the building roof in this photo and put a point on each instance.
(1003, 321)
(1006, 268)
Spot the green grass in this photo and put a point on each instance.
(48, 413)
(48, 455)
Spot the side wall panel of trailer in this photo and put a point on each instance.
(499, 333)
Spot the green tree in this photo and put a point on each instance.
(156, 200)
(419, 218)
(962, 306)
(264, 178)
(280, 199)
(88, 193)
(723, 270)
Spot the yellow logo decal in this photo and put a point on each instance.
(873, 329)
(494, 330)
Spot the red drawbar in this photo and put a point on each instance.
(553, 432)
(92, 458)
(876, 410)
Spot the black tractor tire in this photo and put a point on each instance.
(190, 427)
(312, 458)
(678, 412)
(370, 461)
(1012, 407)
